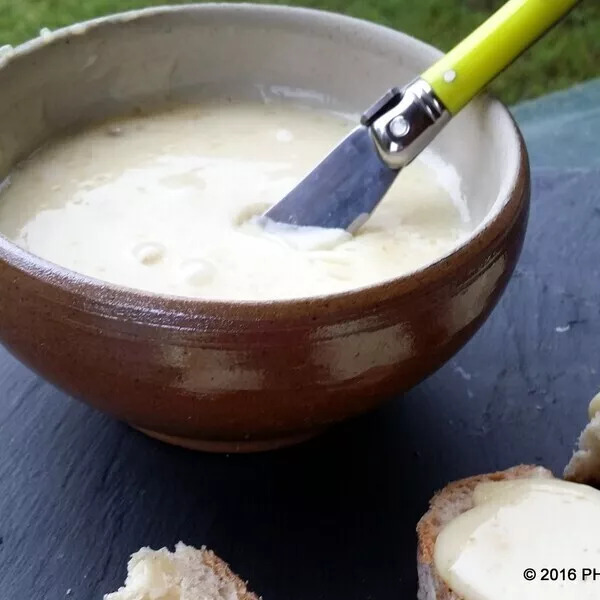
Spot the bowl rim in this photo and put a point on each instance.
(61, 285)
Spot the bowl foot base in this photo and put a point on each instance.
(230, 447)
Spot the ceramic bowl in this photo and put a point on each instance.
(246, 376)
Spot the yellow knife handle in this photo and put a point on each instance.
(469, 67)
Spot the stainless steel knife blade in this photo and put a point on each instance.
(342, 191)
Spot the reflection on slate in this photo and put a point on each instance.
(333, 519)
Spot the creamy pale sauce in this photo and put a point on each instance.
(523, 539)
(164, 203)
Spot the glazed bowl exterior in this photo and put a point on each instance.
(246, 376)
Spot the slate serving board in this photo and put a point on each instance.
(333, 519)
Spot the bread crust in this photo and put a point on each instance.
(447, 504)
(223, 571)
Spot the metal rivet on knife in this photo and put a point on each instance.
(399, 126)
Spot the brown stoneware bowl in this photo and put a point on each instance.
(227, 376)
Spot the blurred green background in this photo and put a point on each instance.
(569, 54)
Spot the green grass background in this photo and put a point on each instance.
(569, 54)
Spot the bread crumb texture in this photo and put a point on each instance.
(584, 466)
(185, 574)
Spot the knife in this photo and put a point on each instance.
(346, 186)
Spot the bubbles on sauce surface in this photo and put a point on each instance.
(149, 253)
(197, 271)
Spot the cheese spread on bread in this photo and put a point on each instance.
(524, 539)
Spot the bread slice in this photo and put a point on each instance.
(584, 466)
(186, 574)
(445, 506)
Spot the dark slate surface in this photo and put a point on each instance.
(333, 519)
